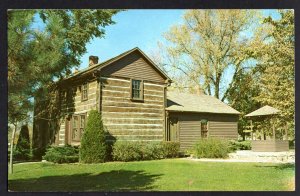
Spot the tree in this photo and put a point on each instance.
(39, 56)
(208, 44)
(94, 148)
(241, 96)
(276, 56)
(22, 150)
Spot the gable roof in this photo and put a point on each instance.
(264, 111)
(99, 66)
(184, 102)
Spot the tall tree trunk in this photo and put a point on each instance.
(217, 89)
(11, 149)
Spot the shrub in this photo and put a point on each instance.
(141, 150)
(22, 150)
(38, 153)
(65, 154)
(292, 144)
(94, 148)
(211, 148)
(239, 145)
(127, 151)
(170, 149)
(152, 150)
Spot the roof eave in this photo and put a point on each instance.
(174, 110)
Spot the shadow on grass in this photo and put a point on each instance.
(116, 180)
(282, 166)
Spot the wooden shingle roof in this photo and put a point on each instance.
(264, 111)
(184, 102)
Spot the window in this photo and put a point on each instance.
(204, 128)
(78, 127)
(137, 89)
(84, 92)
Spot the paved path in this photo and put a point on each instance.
(256, 157)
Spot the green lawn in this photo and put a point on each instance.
(161, 175)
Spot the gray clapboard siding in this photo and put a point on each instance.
(189, 133)
(219, 125)
(223, 129)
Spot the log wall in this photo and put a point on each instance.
(71, 104)
(126, 119)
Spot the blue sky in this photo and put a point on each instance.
(136, 28)
(133, 28)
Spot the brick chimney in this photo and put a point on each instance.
(93, 60)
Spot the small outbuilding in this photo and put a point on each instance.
(272, 145)
(191, 117)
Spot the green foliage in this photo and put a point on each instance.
(170, 149)
(205, 46)
(275, 52)
(127, 151)
(241, 95)
(22, 150)
(152, 151)
(141, 150)
(94, 148)
(211, 148)
(239, 145)
(292, 144)
(38, 56)
(65, 154)
(38, 153)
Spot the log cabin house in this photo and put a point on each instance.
(130, 92)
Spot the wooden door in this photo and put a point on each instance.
(174, 135)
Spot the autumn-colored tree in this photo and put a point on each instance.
(276, 63)
(206, 45)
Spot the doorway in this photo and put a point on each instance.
(173, 129)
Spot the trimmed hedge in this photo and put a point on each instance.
(239, 145)
(94, 148)
(64, 154)
(211, 148)
(140, 150)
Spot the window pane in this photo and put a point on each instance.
(136, 89)
(75, 135)
(82, 123)
(75, 121)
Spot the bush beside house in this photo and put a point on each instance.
(94, 148)
(239, 145)
(211, 148)
(65, 154)
(139, 150)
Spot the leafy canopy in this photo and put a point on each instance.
(39, 56)
(206, 45)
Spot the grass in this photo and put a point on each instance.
(160, 175)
